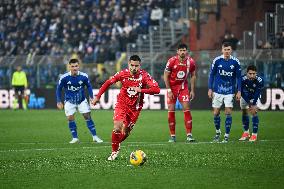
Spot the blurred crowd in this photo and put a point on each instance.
(96, 30)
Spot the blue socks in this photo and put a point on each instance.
(73, 129)
(91, 127)
(255, 122)
(217, 121)
(228, 123)
(245, 119)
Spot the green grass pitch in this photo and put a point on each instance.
(35, 153)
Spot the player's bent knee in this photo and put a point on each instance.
(117, 127)
(87, 116)
(245, 111)
(171, 107)
(216, 112)
(71, 118)
(228, 111)
(254, 112)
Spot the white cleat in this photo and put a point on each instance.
(97, 139)
(74, 140)
(113, 156)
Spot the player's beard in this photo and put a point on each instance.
(182, 56)
(133, 71)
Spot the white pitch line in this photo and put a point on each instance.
(56, 149)
(126, 143)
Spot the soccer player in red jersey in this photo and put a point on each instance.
(135, 83)
(177, 70)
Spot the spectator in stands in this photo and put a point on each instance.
(234, 41)
(89, 57)
(56, 27)
(267, 45)
(279, 80)
(229, 37)
(281, 40)
(156, 15)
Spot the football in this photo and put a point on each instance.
(137, 158)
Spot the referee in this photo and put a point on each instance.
(20, 83)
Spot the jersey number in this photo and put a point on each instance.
(185, 98)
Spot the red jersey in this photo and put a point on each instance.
(127, 96)
(179, 70)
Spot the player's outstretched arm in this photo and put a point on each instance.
(105, 86)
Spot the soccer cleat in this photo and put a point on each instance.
(172, 139)
(74, 140)
(189, 138)
(217, 137)
(97, 139)
(253, 138)
(245, 136)
(225, 140)
(113, 156)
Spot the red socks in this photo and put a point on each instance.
(187, 121)
(123, 137)
(172, 122)
(116, 139)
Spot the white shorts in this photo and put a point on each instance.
(245, 105)
(219, 99)
(70, 108)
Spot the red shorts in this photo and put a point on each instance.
(127, 115)
(181, 94)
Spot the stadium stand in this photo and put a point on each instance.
(43, 35)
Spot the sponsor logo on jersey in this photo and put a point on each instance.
(180, 74)
(232, 67)
(131, 92)
(72, 88)
(69, 82)
(80, 82)
(224, 89)
(225, 73)
(133, 79)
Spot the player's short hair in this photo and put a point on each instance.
(182, 46)
(135, 58)
(73, 61)
(251, 67)
(226, 44)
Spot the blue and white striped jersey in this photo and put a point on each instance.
(73, 87)
(251, 89)
(224, 74)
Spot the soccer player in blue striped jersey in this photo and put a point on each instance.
(224, 74)
(74, 83)
(250, 89)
